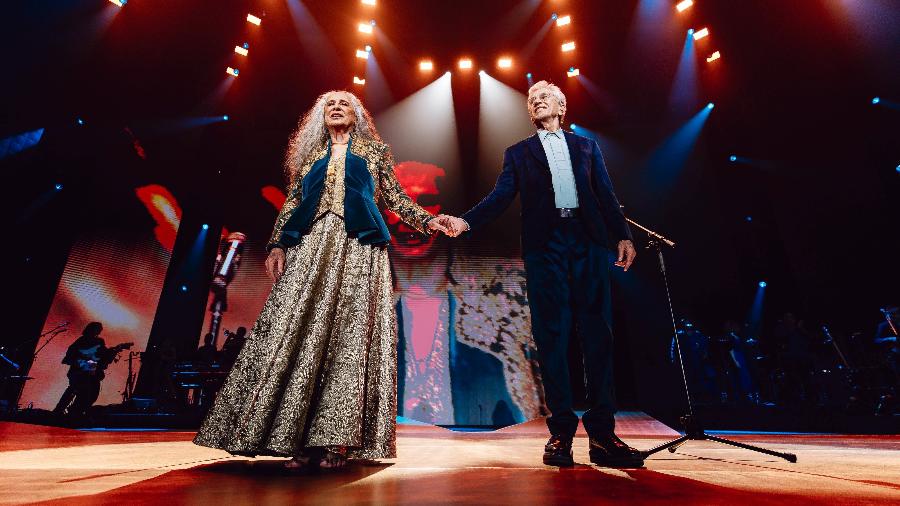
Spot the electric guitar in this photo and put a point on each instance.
(93, 360)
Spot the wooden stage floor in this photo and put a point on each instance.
(50, 465)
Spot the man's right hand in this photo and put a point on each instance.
(455, 226)
(275, 263)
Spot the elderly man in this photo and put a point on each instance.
(570, 217)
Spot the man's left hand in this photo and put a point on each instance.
(626, 255)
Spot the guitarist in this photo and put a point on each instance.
(87, 359)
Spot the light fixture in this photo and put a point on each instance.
(684, 5)
(365, 28)
(465, 63)
(504, 63)
(363, 54)
(563, 21)
(253, 19)
(699, 34)
(573, 72)
(232, 72)
(359, 81)
(713, 57)
(426, 65)
(568, 46)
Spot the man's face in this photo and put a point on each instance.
(419, 180)
(338, 110)
(543, 105)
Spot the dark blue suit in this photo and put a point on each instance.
(567, 270)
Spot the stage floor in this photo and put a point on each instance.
(438, 466)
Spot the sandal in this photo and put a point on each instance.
(334, 457)
(300, 461)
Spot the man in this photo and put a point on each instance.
(86, 360)
(569, 213)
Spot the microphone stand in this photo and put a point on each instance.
(693, 430)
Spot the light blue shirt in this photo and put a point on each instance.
(557, 150)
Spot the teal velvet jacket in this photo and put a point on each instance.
(368, 179)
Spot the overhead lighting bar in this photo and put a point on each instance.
(358, 81)
(701, 33)
(713, 57)
(568, 46)
(369, 2)
(120, 3)
(684, 5)
(232, 72)
(242, 50)
(426, 65)
(504, 63)
(362, 54)
(365, 27)
(253, 19)
(573, 72)
(465, 64)
(563, 21)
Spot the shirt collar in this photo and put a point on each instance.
(543, 134)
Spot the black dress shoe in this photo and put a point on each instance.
(610, 451)
(558, 452)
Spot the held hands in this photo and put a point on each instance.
(451, 226)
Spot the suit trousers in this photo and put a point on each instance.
(568, 283)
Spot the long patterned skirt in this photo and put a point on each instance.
(319, 367)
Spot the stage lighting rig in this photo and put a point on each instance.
(253, 19)
(362, 54)
(369, 2)
(366, 27)
(357, 80)
(573, 72)
(119, 3)
(564, 20)
(699, 34)
(504, 63)
(683, 6)
(231, 71)
(568, 46)
(465, 64)
(713, 57)
(426, 65)
(242, 50)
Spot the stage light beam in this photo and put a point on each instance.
(253, 19)
(563, 21)
(684, 5)
(699, 34)
(568, 46)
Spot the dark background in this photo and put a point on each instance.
(792, 92)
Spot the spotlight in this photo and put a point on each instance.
(369, 2)
(359, 81)
(205, 226)
(568, 46)
(253, 19)
(241, 50)
(573, 72)
(362, 54)
(482, 73)
(504, 63)
(465, 64)
(876, 100)
(898, 169)
(762, 284)
(701, 33)
(232, 72)
(80, 121)
(713, 57)
(58, 186)
(690, 31)
(563, 21)
(573, 125)
(710, 105)
(732, 158)
(365, 27)
(528, 75)
(426, 65)
(682, 6)
(748, 219)
(554, 16)
(120, 3)
(225, 117)
(368, 48)
(183, 288)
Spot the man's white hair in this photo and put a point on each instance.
(311, 133)
(557, 94)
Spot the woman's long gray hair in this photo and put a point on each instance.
(311, 133)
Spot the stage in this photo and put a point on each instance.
(48, 465)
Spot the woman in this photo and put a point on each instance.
(316, 379)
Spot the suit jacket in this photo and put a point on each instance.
(526, 171)
(368, 178)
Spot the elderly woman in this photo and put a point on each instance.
(316, 379)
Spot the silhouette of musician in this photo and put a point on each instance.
(87, 359)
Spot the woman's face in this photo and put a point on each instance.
(338, 110)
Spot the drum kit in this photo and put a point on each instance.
(821, 369)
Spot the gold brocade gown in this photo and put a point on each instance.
(319, 367)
